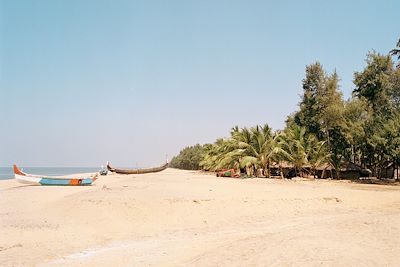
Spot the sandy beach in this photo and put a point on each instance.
(187, 218)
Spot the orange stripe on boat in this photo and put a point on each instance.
(75, 181)
(18, 171)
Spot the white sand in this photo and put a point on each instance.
(182, 218)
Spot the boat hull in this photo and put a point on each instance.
(43, 180)
(137, 171)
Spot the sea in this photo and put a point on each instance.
(8, 173)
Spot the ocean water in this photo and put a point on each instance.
(7, 172)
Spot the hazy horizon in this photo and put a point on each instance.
(85, 82)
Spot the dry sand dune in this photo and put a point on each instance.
(183, 218)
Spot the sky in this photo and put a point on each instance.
(132, 82)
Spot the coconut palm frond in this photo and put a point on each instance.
(248, 161)
(396, 52)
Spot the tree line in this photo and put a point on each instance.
(326, 130)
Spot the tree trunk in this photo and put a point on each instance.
(394, 168)
(323, 174)
(328, 138)
(300, 172)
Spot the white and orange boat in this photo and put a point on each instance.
(32, 179)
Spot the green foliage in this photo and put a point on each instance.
(373, 83)
(364, 129)
(246, 148)
(321, 110)
(394, 89)
(255, 149)
(188, 158)
(379, 86)
(301, 149)
(309, 113)
(391, 133)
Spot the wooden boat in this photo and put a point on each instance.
(136, 171)
(25, 178)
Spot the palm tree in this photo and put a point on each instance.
(293, 147)
(317, 154)
(300, 149)
(254, 147)
(278, 154)
(246, 148)
(396, 52)
(213, 154)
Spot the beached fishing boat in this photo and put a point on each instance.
(136, 171)
(25, 178)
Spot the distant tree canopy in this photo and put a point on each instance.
(364, 129)
(378, 86)
(188, 158)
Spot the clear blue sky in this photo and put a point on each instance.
(83, 82)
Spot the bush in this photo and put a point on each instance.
(188, 158)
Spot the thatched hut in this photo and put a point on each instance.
(347, 170)
(325, 171)
(288, 170)
(283, 169)
(387, 172)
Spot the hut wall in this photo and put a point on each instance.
(319, 174)
(349, 174)
(327, 174)
(274, 171)
(287, 172)
(386, 173)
